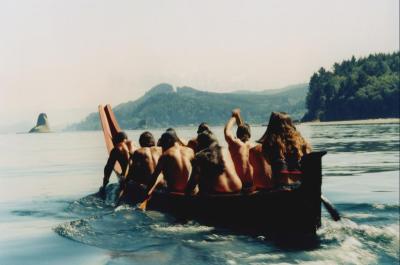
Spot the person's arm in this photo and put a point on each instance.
(228, 127)
(134, 163)
(193, 180)
(137, 161)
(131, 146)
(238, 118)
(306, 148)
(154, 179)
(108, 169)
(228, 130)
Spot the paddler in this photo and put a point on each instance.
(284, 147)
(260, 169)
(144, 161)
(239, 148)
(203, 127)
(121, 153)
(213, 172)
(174, 163)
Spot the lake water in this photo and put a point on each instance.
(47, 217)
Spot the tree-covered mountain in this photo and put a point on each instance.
(356, 89)
(164, 106)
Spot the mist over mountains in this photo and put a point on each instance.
(166, 106)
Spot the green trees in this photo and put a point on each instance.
(356, 89)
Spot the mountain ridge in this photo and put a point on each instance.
(165, 106)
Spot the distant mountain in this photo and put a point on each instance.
(164, 106)
(366, 88)
(291, 88)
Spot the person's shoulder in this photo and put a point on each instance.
(236, 142)
(170, 151)
(188, 150)
(141, 152)
(157, 149)
(251, 144)
(257, 148)
(115, 151)
(192, 141)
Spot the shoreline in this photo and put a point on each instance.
(354, 122)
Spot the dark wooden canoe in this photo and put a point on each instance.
(263, 212)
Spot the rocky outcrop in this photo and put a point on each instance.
(42, 124)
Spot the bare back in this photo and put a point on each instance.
(176, 167)
(240, 153)
(214, 172)
(144, 163)
(229, 180)
(260, 168)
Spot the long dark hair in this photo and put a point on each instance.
(209, 157)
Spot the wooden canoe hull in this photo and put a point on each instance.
(295, 212)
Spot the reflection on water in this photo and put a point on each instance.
(47, 216)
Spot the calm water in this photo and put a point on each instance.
(47, 215)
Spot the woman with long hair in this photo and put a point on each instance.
(283, 147)
(212, 170)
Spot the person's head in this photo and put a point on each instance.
(203, 127)
(167, 140)
(205, 140)
(173, 132)
(146, 139)
(209, 155)
(170, 130)
(243, 132)
(119, 138)
(281, 137)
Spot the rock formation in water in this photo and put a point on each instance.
(42, 124)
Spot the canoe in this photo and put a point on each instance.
(294, 212)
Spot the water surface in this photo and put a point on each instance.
(47, 215)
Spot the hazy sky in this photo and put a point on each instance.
(75, 54)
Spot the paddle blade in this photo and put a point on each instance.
(330, 208)
(143, 205)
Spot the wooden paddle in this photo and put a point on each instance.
(143, 205)
(330, 208)
(109, 131)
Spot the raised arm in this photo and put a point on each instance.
(229, 137)
(238, 118)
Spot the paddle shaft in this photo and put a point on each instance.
(330, 208)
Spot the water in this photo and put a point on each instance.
(47, 215)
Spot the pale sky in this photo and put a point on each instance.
(66, 57)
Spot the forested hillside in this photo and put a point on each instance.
(356, 89)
